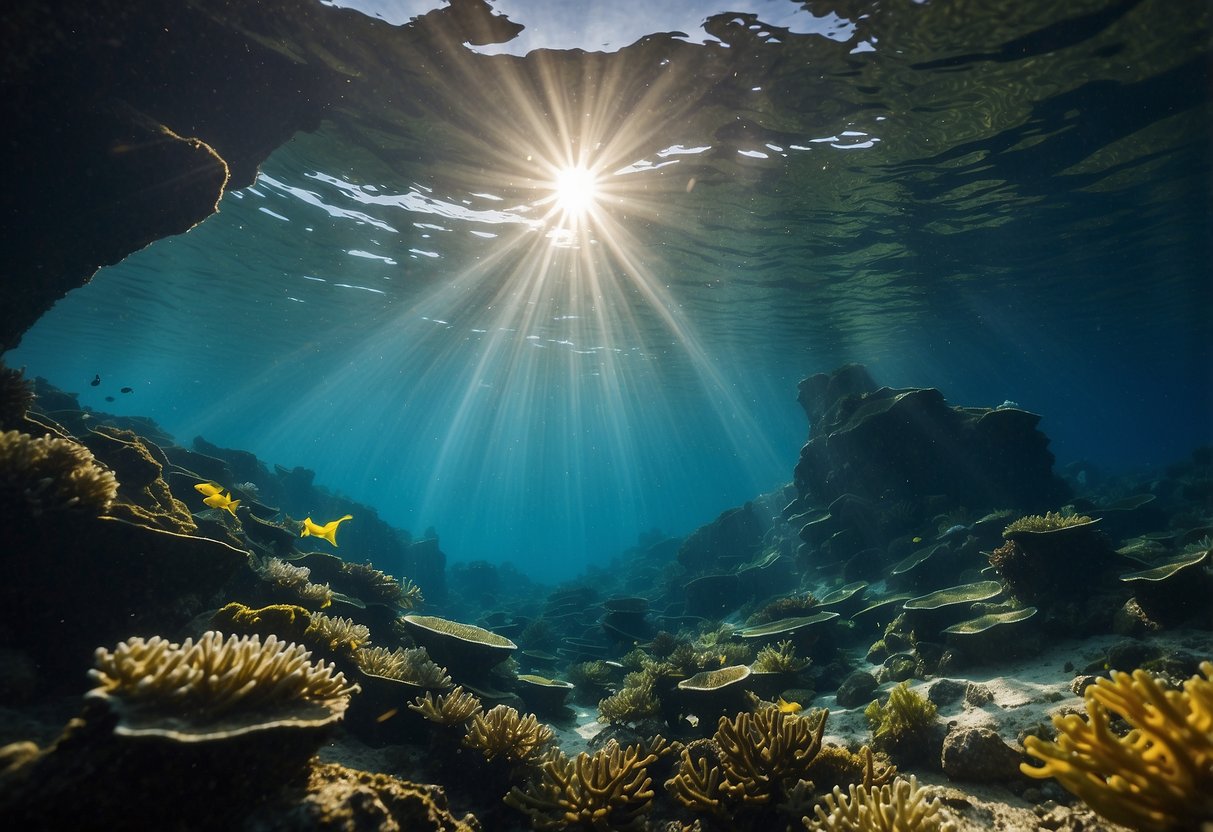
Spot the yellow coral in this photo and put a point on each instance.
(336, 634)
(899, 807)
(504, 733)
(607, 790)
(413, 666)
(454, 708)
(49, 474)
(1159, 776)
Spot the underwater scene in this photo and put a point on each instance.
(675, 416)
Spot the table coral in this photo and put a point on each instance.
(607, 790)
(1157, 777)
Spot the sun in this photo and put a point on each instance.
(576, 191)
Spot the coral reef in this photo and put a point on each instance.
(336, 635)
(1158, 776)
(186, 690)
(902, 806)
(16, 396)
(607, 790)
(1050, 521)
(371, 584)
(46, 475)
(503, 733)
(407, 665)
(793, 606)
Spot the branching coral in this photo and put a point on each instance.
(297, 580)
(637, 700)
(454, 708)
(604, 791)
(503, 733)
(49, 474)
(899, 807)
(374, 585)
(337, 635)
(413, 666)
(211, 677)
(902, 725)
(781, 658)
(1159, 776)
(1048, 522)
(286, 621)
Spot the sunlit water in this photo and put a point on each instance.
(1010, 213)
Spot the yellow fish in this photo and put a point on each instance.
(917, 540)
(210, 489)
(221, 500)
(328, 531)
(788, 707)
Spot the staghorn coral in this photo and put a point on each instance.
(199, 682)
(760, 759)
(901, 806)
(781, 658)
(902, 725)
(454, 708)
(503, 733)
(1050, 521)
(1159, 776)
(48, 475)
(607, 790)
(337, 635)
(412, 666)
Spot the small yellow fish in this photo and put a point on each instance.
(788, 707)
(328, 531)
(210, 489)
(224, 501)
(918, 540)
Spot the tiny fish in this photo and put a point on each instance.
(109, 398)
(96, 382)
(388, 714)
(328, 531)
(788, 707)
(127, 390)
(917, 540)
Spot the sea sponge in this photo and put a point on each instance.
(607, 790)
(412, 666)
(898, 807)
(196, 690)
(48, 474)
(454, 708)
(903, 724)
(1159, 776)
(503, 733)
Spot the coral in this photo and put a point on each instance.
(374, 585)
(902, 725)
(412, 666)
(286, 621)
(454, 708)
(1048, 522)
(196, 683)
(49, 475)
(901, 806)
(336, 635)
(836, 766)
(16, 396)
(503, 733)
(296, 579)
(342, 798)
(791, 607)
(781, 658)
(761, 758)
(595, 674)
(636, 700)
(1159, 776)
(608, 790)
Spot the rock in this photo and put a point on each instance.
(977, 695)
(979, 755)
(946, 691)
(724, 544)
(856, 689)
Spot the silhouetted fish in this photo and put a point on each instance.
(96, 382)
(127, 390)
(109, 398)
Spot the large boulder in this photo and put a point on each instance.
(884, 443)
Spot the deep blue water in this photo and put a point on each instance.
(1024, 217)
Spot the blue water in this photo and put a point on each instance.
(1025, 219)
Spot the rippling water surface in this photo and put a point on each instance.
(1003, 200)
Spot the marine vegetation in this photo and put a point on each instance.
(607, 790)
(503, 733)
(198, 682)
(412, 666)
(296, 580)
(1050, 521)
(791, 607)
(902, 806)
(335, 634)
(780, 658)
(901, 726)
(49, 475)
(756, 763)
(454, 708)
(1158, 776)
(327, 531)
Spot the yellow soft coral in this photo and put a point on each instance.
(1159, 776)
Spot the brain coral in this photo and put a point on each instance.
(49, 474)
(215, 687)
